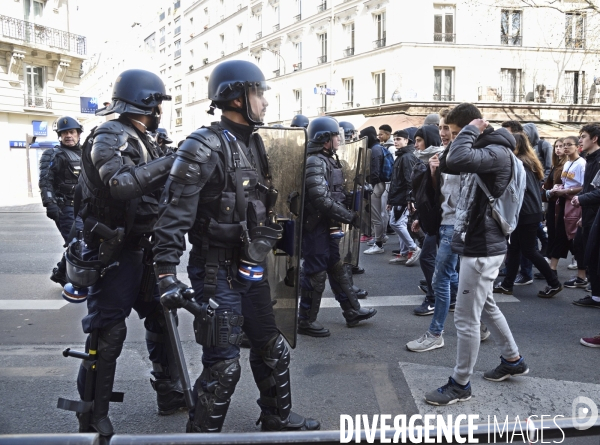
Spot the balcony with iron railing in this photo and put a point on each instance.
(444, 37)
(177, 54)
(444, 97)
(298, 111)
(511, 40)
(205, 61)
(379, 43)
(378, 100)
(258, 35)
(322, 7)
(489, 94)
(276, 27)
(297, 18)
(277, 72)
(42, 35)
(572, 43)
(31, 101)
(178, 99)
(240, 46)
(346, 105)
(297, 66)
(321, 111)
(322, 59)
(178, 121)
(348, 52)
(512, 97)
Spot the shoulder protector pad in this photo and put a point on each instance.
(111, 134)
(315, 162)
(112, 127)
(198, 146)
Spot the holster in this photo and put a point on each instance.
(148, 275)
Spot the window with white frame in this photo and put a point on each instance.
(511, 27)
(323, 46)
(575, 30)
(178, 117)
(35, 86)
(443, 84)
(297, 102)
(150, 43)
(349, 37)
(33, 10)
(511, 85)
(379, 83)
(321, 89)
(380, 26)
(162, 33)
(192, 91)
(348, 93)
(443, 23)
(298, 51)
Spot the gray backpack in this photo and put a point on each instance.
(506, 208)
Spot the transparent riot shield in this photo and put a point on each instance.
(286, 151)
(352, 156)
(366, 226)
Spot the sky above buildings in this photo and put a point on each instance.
(110, 20)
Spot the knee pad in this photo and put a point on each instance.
(222, 378)
(110, 341)
(275, 389)
(317, 281)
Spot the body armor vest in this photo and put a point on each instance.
(217, 220)
(97, 199)
(67, 178)
(335, 182)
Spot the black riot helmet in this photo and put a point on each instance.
(238, 78)
(65, 123)
(137, 92)
(348, 130)
(321, 129)
(299, 120)
(162, 134)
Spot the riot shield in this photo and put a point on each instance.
(366, 226)
(352, 158)
(286, 151)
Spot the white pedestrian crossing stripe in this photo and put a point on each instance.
(20, 305)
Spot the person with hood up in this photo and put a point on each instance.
(379, 195)
(428, 144)
(399, 197)
(479, 150)
(542, 148)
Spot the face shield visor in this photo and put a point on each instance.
(256, 102)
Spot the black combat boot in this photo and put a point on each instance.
(307, 320)
(353, 316)
(294, 422)
(59, 273)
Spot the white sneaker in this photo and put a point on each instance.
(573, 265)
(373, 250)
(399, 259)
(413, 256)
(427, 342)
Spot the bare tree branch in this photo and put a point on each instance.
(589, 5)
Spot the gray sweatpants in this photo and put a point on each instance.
(475, 304)
(379, 214)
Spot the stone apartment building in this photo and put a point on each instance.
(40, 63)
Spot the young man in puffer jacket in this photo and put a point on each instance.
(478, 149)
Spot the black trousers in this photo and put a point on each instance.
(523, 241)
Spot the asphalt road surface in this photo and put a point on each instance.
(363, 370)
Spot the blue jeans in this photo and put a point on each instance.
(445, 279)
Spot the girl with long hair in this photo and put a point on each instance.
(523, 241)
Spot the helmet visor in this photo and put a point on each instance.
(257, 102)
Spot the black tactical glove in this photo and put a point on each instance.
(53, 211)
(173, 293)
(349, 200)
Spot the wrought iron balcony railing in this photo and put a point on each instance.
(444, 97)
(348, 52)
(276, 28)
(574, 43)
(379, 43)
(322, 7)
(378, 100)
(321, 111)
(444, 37)
(297, 66)
(31, 101)
(298, 111)
(258, 35)
(322, 59)
(510, 40)
(347, 105)
(298, 17)
(42, 35)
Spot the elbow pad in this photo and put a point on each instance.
(133, 182)
(193, 153)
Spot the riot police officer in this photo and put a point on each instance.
(216, 194)
(122, 174)
(324, 206)
(59, 171)
(163, 140)
(299, 120)
(349, 131)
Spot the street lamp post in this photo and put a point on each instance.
(277, 54)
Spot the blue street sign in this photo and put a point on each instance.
(40, 128)
(89, 105)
